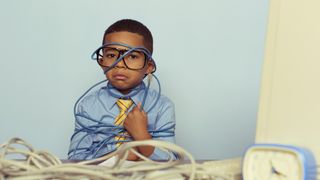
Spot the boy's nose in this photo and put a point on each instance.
(120, 64)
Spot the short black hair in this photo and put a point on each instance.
(132, 26)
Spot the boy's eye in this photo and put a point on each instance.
(110, 55)
(132, 56)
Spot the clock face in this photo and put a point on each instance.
(272, 163)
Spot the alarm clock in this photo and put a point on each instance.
(278, 162)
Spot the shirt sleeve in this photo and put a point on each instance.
(92, 137)
(81, 140)
(164, 130)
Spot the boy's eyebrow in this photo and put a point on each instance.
(120, 49)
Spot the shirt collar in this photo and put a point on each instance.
(111, 99)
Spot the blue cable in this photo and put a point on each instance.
(110, 131)
(76, 104)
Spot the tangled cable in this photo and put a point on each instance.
(92, 127)
(43, 165)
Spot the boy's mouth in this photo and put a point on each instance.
(120, 77)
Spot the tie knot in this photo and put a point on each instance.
(124, 104)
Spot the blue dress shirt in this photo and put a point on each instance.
(94, 121)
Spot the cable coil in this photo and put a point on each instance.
(44, 165)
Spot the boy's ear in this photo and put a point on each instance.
(101, 66)
(150, 67)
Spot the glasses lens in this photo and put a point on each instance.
(107, 56)
(133, 60)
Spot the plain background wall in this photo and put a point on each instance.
(209, 55)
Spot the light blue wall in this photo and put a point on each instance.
(208, 50)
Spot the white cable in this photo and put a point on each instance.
(43, 165)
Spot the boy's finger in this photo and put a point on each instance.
(139, 105)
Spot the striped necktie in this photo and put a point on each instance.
(123, 105)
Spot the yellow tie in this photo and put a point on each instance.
(123, 105)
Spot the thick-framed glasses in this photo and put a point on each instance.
(134, 60)
(109, 57)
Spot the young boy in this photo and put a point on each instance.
(125, 109)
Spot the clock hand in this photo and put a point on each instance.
(274, 171)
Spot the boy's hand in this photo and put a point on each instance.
(136, 123)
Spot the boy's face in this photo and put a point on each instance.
(121, 77)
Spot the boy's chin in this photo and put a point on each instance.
(122, 89)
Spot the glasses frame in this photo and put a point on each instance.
(95, 55)
(124, 53)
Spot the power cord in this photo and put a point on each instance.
(44, 165)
